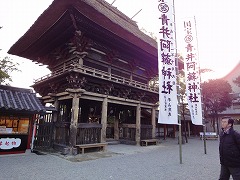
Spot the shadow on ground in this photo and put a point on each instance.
(79, 157)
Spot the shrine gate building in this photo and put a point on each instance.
(101, 70)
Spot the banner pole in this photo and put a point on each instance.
(179, 117)
(204, 124)
(34, 132)
(180, 143)
(204, 139)
(178, 91)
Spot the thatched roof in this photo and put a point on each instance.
(98, 11)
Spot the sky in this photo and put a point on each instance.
(216, 24)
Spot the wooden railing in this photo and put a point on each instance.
(97, 73)
(43, 136)
(110, 132)
(146, 131)
(62, 133)
(88, 133)
(127, 132)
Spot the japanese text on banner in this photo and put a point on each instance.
(192, 71)
(168, 113)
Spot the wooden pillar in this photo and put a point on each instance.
(174, 131)
(116, 128)
(131, 76)
(138, 124)
(153, 122)
(189, 130)
(104, 120)
(165, 131)
(55, 113)
(55, 116)
(56, 105)
(75, 94)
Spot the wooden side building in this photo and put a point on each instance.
(19, 108)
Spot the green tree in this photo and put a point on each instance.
(216, 98)
(6, 68)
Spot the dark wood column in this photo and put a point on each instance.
(104, 120)
(138, 124)
(116, 128)
(55, 116)
(154, 122)
(165, 131)
(75, 94)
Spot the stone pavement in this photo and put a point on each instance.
(119, 162)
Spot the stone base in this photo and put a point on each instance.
(69, 151)
(128, 142)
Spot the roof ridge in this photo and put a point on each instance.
(12, 88)
(117, 12)
(16, 99)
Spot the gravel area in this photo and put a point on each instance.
(119, 162)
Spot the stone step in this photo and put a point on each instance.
(112, 142)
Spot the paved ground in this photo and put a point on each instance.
(119, 162)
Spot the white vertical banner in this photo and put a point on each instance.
(168, 112)
(192, 70)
